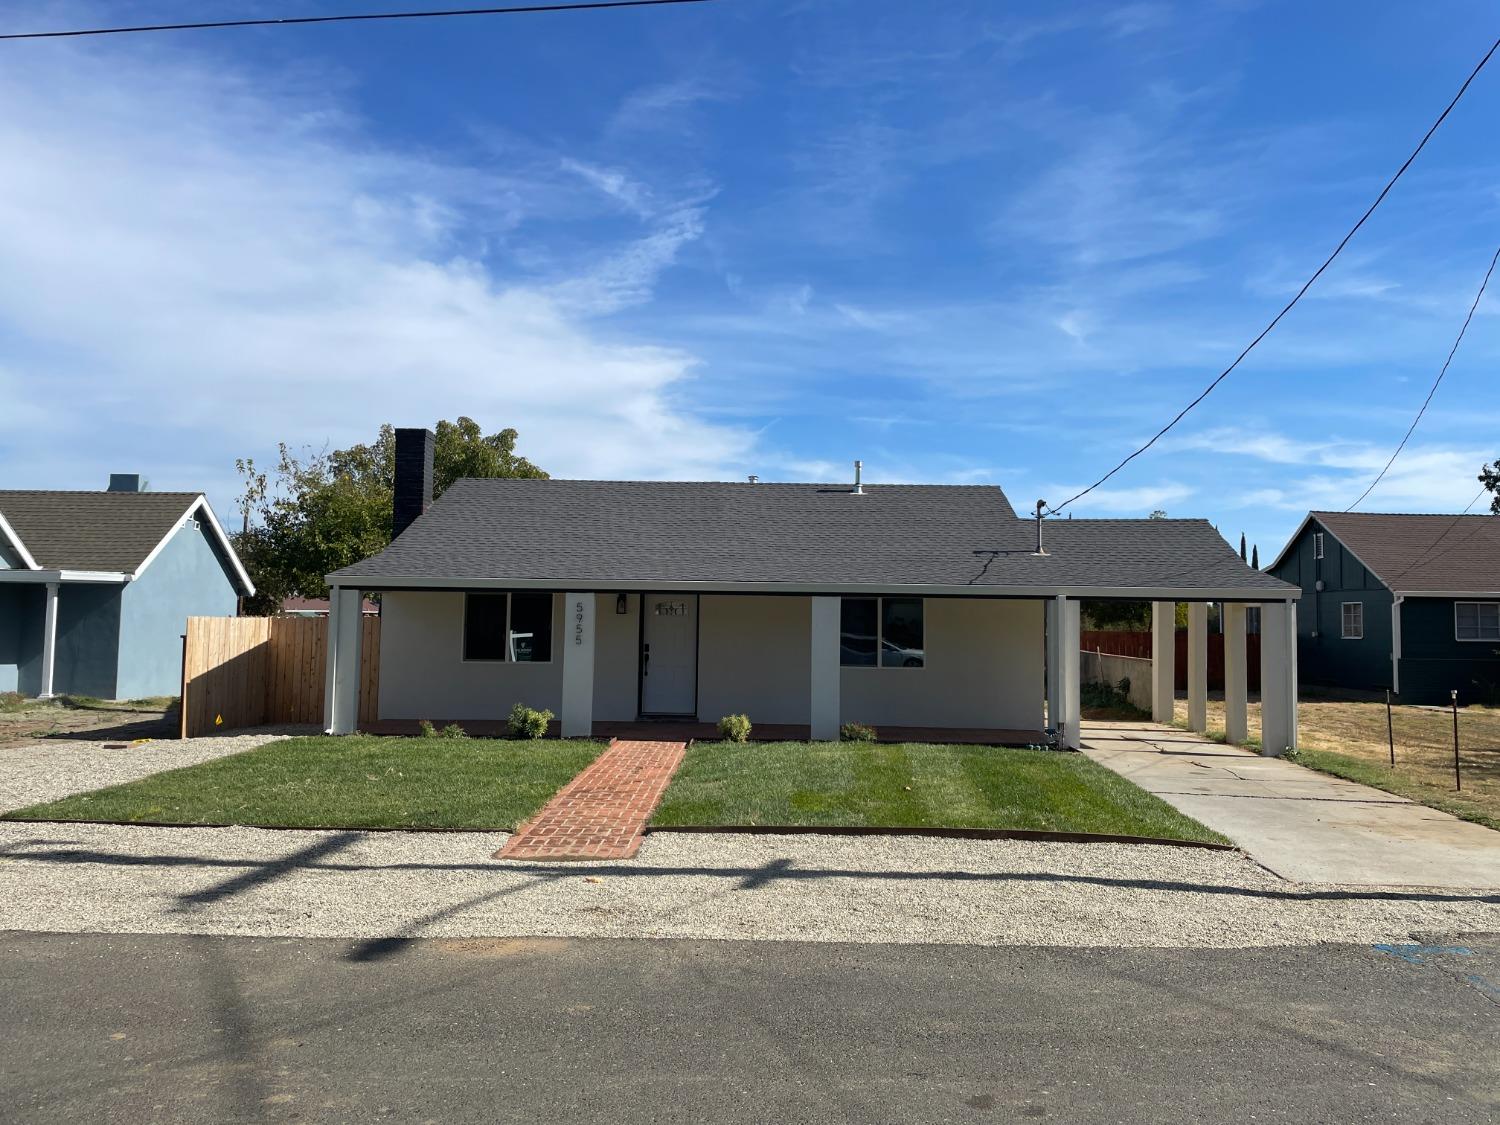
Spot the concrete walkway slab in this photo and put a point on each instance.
(1301, 824)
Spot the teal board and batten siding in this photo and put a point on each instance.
(1434, 662)
(188, 578)
(1323, 655)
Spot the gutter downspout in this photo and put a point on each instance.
(1396, 642)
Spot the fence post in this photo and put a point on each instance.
(1390, 730)
(1458, 776)
(182, 694)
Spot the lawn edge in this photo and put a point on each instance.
(1034, 834)
(7, 818)
(1454, 806)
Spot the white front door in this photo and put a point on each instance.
(669, 654)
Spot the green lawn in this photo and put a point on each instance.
(354, 782)
(852, 784)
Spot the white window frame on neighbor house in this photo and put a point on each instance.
(1317, 544)
(507, 650)
(1481, 637)
(880, 600)
(1358, 634)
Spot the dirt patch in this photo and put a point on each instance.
(1423, 735)
(35, 720)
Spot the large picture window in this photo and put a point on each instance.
(881, 631)
(515, 627)
(1476, 621)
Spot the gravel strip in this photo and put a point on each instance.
(106, 878)
(47, 770)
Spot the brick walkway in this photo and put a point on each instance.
(601, 813)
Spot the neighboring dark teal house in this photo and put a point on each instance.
(96, 588)
(1407, 602)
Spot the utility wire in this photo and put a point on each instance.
(1427, 401)
(1266, 331)
(592, 5)
(1447, 531)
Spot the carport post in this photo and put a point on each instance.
(345, 625)
(1163, 659)
(1197, 666)
(1055, 657)
(1236, 683)
(1071, 612)
(1278, 678)
(824, 716)
(49, 642)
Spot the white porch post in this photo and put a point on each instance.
(824, 711)
(345, 629)
(49, 643)
(578, 667)
(1197, 666)
(1055, 658)
(1278, 678)
(1236, 727)
(1070, 610)
(1163, 659)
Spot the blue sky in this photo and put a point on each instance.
(968, 242)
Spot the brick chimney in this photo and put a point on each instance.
(413, 477)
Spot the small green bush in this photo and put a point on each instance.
(526, 722)
(735, 728)
(453, 730)
(857, 732)
(427, 729)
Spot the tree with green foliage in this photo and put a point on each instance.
(1489, 476)
(321, 511)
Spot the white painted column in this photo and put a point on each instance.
(1054, 663)
(1236, 683)
(1163, 659)
(1197, 666)
(345, 633)
(824, 711)
(578, 666)
(49, 643)
(1278, 678)
(1071, 614)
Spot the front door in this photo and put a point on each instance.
(669, 654)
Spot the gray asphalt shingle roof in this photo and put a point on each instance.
(1411, 553)
(108, 531)
(602, 534)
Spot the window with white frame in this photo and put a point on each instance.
(508, 626)
(881, 631)
(1317, 544)
(1354, 621)
(1476, 621)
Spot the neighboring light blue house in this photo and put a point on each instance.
(96, 588)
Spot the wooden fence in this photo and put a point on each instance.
(257, 671)
(1139, 645)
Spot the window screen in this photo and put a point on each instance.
(484, 627)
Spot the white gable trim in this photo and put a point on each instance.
(15, 541)
(200, 507)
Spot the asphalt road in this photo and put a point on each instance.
(104, 1028)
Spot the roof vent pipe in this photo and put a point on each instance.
(754, 479)
(1040, 504)
(859, 489)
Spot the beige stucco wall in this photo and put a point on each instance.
(984, 668)
(423, 674)
(617, 648)
(754, 658)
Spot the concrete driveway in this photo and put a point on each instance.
(1301, 824)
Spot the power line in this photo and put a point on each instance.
(1266, 331)
(1451, 352)
(591, 5)
(1447, 531)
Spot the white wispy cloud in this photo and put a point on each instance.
(213, 266)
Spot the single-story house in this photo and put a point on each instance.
(804, 606)
(1399, 601)
(96, 588)
(317, 607)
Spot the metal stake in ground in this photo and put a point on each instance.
(1458, 777)
(1390, 731)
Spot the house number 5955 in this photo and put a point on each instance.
(578, 623)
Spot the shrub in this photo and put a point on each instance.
(526, 722)
(735, 728)
(453, 730)
(427, 729)
(857, 732)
